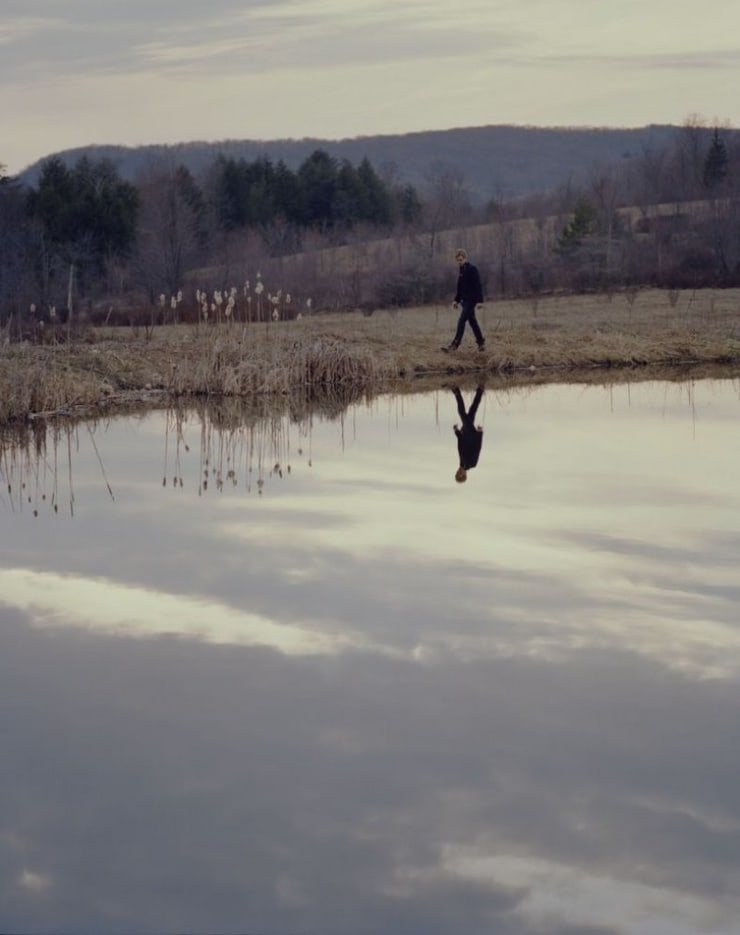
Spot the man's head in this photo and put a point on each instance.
(460, 256)
(461, 475)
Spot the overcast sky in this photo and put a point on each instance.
(149, 71)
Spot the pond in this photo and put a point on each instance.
(288, 675)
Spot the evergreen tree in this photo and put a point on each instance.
(86, 213)
(375, 200)
(317, 184)
(286, 193)
(578, 228)
(715, 164)
(15, 247)
(323, 193)
(408, 205)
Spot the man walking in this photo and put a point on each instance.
(468, 296)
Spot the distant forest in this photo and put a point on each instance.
(496, 161)
(117, 235)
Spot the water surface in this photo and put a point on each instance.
(293, 677)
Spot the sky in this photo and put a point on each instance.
(80, 72)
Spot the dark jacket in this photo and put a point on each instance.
(469, 443)
(469, 289)
(469, 438)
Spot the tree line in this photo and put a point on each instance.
(89, 220)
(83, 234)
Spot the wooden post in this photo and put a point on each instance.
(70, 284)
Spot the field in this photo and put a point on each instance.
(631, 334)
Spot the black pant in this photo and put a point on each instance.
(467, 317)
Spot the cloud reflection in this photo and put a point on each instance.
(53, 600)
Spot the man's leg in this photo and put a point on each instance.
(460, 403)
(462, 318)
(473, 411)
(480, 340)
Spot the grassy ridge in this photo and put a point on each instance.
(551, 338)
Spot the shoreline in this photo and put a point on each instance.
(348, 354)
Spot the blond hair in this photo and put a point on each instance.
(461, 252)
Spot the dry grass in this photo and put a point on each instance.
(338, 355)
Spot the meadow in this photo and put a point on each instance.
(342, 354)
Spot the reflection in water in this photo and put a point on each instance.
(469, 434)
(36, 459)
(370, 699)
(231, 448)
(52, 600)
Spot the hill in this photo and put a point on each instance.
(495, 161)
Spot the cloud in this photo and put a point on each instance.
(260, 39)
(718, 60)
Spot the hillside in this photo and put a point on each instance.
(496, 161)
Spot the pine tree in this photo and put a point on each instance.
(578, 228)
(715, 164)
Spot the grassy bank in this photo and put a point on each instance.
(554, 338)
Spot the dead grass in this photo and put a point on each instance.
(553, 338)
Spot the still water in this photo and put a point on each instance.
(293, 677)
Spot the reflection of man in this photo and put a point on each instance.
(469, 436)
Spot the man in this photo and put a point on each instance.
(468, 297)
(469, 435)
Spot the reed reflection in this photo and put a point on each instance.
(236, 447)
(36, 464)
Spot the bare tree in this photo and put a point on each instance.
(605, 192)
(447, 202)
(688, 159)
(171, 228)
